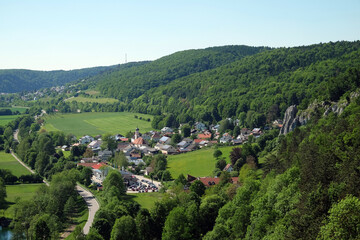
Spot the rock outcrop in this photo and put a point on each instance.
(290, 122)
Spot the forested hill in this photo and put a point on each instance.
(259, 87)
(17, 80)
(131, 83)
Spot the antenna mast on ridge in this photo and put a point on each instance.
(125, 58)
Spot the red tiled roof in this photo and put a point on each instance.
(139, 141)
(124, 139)
(92, 165)
(98, 165)
(198, 140)
(209, 181)
(204, 136)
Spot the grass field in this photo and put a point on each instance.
(7, 118)
(146, 200)
(16, 108)
(96, 123)
(22, 191)
(198, 163)
(7, 161)
(92, 100)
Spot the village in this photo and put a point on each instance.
(138, 174)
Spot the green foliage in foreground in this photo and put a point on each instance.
(81, 124)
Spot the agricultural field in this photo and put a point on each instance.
(96, 123)
(7, 161)
(92, 100)
(199, 163)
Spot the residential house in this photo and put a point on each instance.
(105, 155)
(99, 169)
(215, 128)
(122, 145)
(167, 130)
(164, 140)
(226, 138)
(200, 126)
(146, 150)
(211, 181)
(204, 136)
(86, 139)
(165, 148)
(228, 168)
(256, 132)
(155, 137)
(95, 145)
(183, 144)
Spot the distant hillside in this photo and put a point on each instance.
(17, 80)
(128, 84)
(260, 87)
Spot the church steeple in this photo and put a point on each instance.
(137, 133)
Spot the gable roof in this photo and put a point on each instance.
(204, 136)
(210, 181)
(92, 165)
(139, 141)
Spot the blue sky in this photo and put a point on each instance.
(49, 35)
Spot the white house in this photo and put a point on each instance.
(86, 139)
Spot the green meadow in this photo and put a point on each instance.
(92, 100)
(7, 161)
(199, 163)
(146, 200)
(6, 119)
(96, 123)
(16, 108)
(18, 191)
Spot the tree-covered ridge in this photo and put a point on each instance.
(131, 83)
(17, 80)
(261, 84)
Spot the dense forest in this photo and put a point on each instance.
(259, 87)
(18, 80)
(128, 84)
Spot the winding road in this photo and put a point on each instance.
(88, 197)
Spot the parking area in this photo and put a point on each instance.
(142, 186)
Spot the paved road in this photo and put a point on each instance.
(92, 204)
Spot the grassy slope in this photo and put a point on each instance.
(92, 100)
(8, 162)
(198, 163)
(97, 123)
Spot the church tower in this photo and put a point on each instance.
(137, 133)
